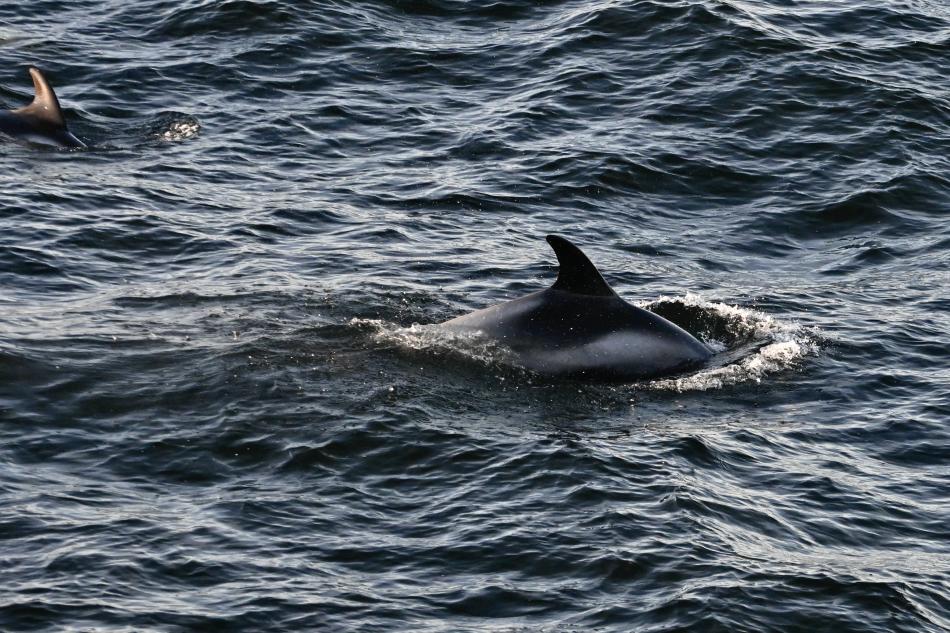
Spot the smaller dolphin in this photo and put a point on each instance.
(40, 122)
(581, 328)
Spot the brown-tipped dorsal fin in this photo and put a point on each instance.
(45, 106)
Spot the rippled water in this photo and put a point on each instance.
(222, 402)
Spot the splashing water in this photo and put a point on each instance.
(765, 344)
(179, 130)
(431, 338)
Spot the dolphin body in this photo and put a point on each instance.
(40, 122)
(580, 328)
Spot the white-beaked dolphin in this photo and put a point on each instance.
(580, 328)
(40, 122)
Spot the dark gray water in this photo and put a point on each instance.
(221, 405)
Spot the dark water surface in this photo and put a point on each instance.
(222, 409)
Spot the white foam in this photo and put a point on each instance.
(782, 345)
(435, 339)
(180, 130)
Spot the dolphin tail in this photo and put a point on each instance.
(45, 106)
(576, 274)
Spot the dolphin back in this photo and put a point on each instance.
(563, 334)
(581, 328)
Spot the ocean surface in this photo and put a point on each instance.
(223, 402)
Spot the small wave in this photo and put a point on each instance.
(220, 16)
(751, 344)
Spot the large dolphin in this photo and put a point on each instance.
(581, 328)
(40, 122)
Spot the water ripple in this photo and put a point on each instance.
(218, 409)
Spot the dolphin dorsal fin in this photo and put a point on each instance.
(576, 274)
(45, 106)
